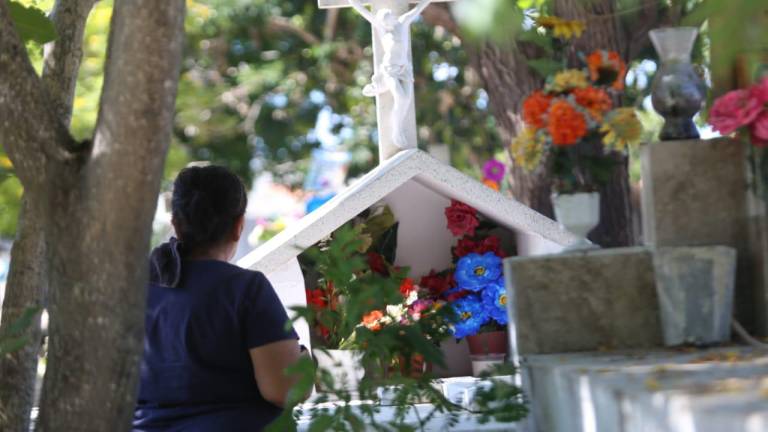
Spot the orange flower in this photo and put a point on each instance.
(566, 125)
(534, 108)
(606, 68)
(594, 100)
(491, 184)
(371, 320)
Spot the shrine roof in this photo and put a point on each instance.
(386, 178)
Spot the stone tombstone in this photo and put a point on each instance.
(695, 193)
(583, 301)
(695, 287)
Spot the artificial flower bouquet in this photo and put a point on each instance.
(473, 286)
(340, 271)
(362, 301)
(744, 110)
(572, 124)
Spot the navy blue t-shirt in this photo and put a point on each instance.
(196, 374)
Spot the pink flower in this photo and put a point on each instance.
(759, 130)
(735, 109)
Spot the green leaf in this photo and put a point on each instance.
(534, 37)
(8, 346)
(32, 24)
(24, 321)
(544, 66)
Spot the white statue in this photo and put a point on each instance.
(395, 73)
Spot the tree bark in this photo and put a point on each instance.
(27, 282)
(63, 56)
(25, 286)
(98, 202)
(101, 216)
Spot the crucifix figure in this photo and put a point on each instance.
(395, 73)
(392, 81)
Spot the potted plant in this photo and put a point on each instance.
(342, 274)
(575, 129)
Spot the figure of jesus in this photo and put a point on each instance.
(395, 73)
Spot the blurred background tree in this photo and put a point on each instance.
(266, 81)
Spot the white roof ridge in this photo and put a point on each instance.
(384, 179)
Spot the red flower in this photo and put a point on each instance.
(377, 264)
(406, 287)
(467, 246)
(462, 219)
(316, 298)
(436, 284)
(457, 295)
(323, 331)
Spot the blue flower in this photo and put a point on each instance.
(470, 316)
(474, 271)
(495, 301)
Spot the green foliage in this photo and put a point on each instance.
(339, 260)
(499, 20)
(545, 66)
(31, 23)
(13, 338)
(502, 400)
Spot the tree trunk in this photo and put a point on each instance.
(25, 287)
(100, 226)
(28, 277)
(98, 202)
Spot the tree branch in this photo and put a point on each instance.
(63, 56)
(278, 23)
(440, 15)
(28, 123)
(329, 28)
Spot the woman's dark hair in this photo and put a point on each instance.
(206, 203)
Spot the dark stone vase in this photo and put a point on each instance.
(677, 92)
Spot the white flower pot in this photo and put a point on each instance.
(344, 365)
(578, 213)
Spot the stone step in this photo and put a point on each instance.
(721, 389)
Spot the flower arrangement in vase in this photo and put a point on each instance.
(575, 129)
(473, 286)
(362, 298)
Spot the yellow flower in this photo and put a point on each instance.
(568, 79)
(562, 28)
(622, 128)
(5, 162)
(527, 149)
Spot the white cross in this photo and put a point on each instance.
(392, 82)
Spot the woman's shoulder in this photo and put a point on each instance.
(222, 274)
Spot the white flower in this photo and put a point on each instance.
(396, 312)
(412, 297)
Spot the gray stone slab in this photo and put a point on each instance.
(694, 194)
(583, 301)
(650, 391)
(695, 287)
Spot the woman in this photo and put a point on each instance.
(216, 342)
